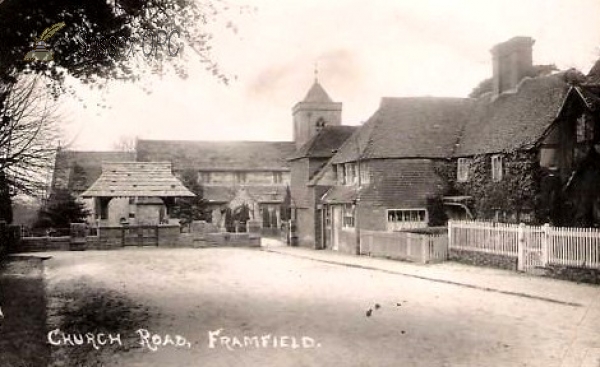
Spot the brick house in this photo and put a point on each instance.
(527, 150)
(383, 177)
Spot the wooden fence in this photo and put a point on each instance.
(535, 246)
(416, 247)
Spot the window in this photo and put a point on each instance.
(277, 177)
(350, 170)
(585, 129)
(348, 216)
(204, 177)
(462, 171)
(364, 174)
(320, 123)
(327, 213)
(497, 168)
(398, 219)
(341, 174)
(240, 177)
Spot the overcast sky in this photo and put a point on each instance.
(365, 50)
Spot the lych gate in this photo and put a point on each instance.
(145, 193)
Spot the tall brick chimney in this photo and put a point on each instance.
(512, 62)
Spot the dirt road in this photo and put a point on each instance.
(243, 307)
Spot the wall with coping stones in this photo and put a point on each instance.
(483, 259)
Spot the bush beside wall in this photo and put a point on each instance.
(574, 274)
(483, 259)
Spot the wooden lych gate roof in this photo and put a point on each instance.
(141, 179)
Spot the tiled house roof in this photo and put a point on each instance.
(216, 155)
(513, 120)
(134, 179)
(403, 183)
(325, 142)
(420, 127)
(78, 170)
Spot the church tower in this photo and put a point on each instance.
(316, 111)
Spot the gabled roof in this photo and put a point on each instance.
(316, 94)
(513, 120)
(325, 142)
(218, 155)
(77, 170)
(131, 179)
(418, 127)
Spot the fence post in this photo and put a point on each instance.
(521, 247)
(546, 244)
(424, 249)
(450, 223)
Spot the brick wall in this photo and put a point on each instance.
(483, 259)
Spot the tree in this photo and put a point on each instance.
(97, 43)
(6, 212)
(28, 135)
(285, 209)
(126, 144)
(62, 210)
(192, 208)
(487, 85)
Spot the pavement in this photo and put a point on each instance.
(584, 350)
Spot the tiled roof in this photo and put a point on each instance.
(426, 127)
(325, 142)
(262, 194)
(77, 170)
(514, 120)
(403, 183)
(232, 155)
(340, 195)
(130, 179)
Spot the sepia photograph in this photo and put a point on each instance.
(299, 183)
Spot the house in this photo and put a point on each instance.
(526, 150)
(305, 163)
(384, 174)
(521, 149)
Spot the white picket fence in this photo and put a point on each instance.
(535, 246)
(416, 247)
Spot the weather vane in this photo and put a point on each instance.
(41, 53)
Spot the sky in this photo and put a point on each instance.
(363, 50)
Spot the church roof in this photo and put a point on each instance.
(77, 170)
(131, 179)
(218, 155)
(317, 94)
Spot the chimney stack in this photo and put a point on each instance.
(512, 62)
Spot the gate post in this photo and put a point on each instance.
(521, 247)
(545, 244)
